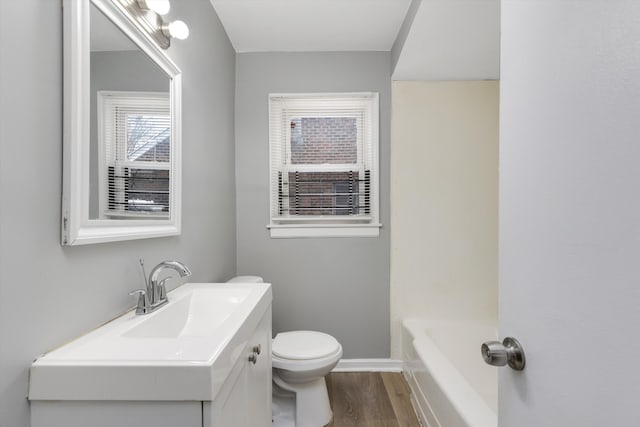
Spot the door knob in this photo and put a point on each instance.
(253, 358)
(508, 352)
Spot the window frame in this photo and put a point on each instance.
(365, 104)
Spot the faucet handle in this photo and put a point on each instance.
(143, 302)
(142, 270)
(162, 289)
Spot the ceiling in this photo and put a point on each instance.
(439, 39)
(311, 25)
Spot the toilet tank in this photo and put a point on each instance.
(246, 279)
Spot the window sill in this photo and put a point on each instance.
(288, 231)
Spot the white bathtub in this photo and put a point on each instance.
(450, 383)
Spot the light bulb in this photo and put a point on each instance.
(161, 7)
(178, 29)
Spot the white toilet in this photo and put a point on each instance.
(301, 360)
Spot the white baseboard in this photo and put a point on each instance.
(368, 365)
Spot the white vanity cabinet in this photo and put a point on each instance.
(225, 390)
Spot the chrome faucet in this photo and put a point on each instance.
(155, 295)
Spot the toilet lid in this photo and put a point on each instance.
(304, 345)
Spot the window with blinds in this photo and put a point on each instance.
(324, 164)
(135, 154)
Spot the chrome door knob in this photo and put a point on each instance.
(253, 358)
(494, 353)
(508, 352)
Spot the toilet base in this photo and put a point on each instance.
(283, 410)
(312, 401)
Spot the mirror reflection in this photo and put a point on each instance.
(130, 129)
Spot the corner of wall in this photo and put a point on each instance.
(403, 33)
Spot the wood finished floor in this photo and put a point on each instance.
(370, 399)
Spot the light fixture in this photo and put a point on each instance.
(176, 29)
(148, 15)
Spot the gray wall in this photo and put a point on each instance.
(48, 293)
(117, 70)
(336, 285)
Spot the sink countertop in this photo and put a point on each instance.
(183, 351)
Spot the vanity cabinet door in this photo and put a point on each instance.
(230, 407)
(245, 399)
(259, 375)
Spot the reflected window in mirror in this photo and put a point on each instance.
(135, 154)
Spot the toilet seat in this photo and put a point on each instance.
(304, 345)
(300, 351)
(294, 365)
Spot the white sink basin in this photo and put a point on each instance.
(182, 351)
(192, 315)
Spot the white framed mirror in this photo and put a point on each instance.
(122, 128)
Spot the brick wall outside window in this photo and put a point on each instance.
(314, 193)
(317, 140)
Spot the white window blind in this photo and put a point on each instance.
(324, 161)
(135, 154)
